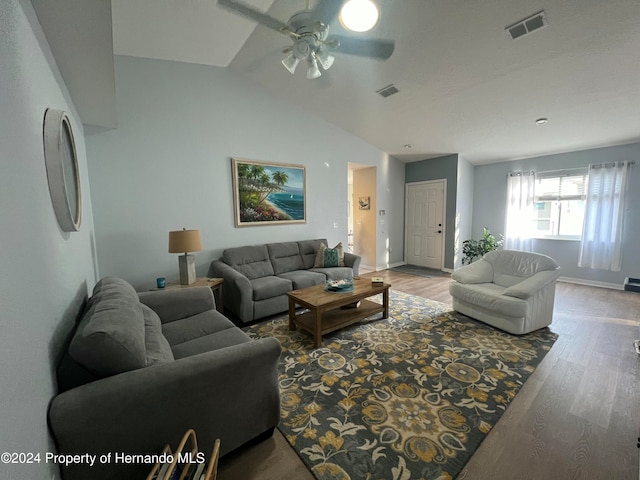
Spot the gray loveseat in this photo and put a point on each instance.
(258, 277)
(143, 368)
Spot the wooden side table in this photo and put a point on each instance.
(214, 283)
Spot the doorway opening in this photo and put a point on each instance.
(362, 226)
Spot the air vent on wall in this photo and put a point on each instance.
(528, 25)
(388, 90)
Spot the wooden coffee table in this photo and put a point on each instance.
(325, 314)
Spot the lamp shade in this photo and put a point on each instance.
(183, 241)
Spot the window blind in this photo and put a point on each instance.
(567, 186)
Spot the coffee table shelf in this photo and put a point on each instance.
(325, 314)
(336, 319)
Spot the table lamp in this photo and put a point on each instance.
(185, 241)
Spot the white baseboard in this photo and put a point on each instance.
(591, 283)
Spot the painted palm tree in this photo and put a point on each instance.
(280, 178)
(255, 184)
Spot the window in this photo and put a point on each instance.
(560, 200)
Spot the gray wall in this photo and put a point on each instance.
(490, 192)
(435, 169)
(46, 273)
(167, 166)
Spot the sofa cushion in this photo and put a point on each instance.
(110, 338)
(285, 257)
(156, 345)
(251, 261)
(335, 273)
(309, 251)
(112, 288)
(196, 326)
(267, 287)
(489, 296)
(214, 341)
(304, 278)
(329, 257)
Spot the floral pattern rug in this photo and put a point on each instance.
(408, 397)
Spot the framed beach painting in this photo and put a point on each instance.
(268, 193)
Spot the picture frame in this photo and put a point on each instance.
(267, 193)
(63, 175)
(364, 203)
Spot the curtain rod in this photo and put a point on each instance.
(611, 164)
(517, 174)
(566, 170)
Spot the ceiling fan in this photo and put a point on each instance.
(309, 30)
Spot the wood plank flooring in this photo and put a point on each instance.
(577, 417)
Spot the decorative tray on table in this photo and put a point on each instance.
(342, 286)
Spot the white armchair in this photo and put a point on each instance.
(510, 290)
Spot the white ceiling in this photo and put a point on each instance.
(465, 86)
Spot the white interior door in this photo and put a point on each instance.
(425, 223)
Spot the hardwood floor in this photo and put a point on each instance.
(577, 417)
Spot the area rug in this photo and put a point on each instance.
(409, 397)
(420, 271)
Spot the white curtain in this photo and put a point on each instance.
(601, 245)
(520, 212)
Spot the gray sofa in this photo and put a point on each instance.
(143, 368)
(258, 277)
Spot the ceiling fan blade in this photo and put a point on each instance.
(327, 10)
(251, 13)
(380, 49)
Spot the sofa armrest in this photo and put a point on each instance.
(238, 291)
(352, 260)
(477, 272)
(231, 393)
(530, 285)
(179, 303)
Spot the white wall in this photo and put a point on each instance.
(168, 166)
(464, 208)
(46, 273)
(390, 198)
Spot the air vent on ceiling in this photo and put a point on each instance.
(388, 90)
(528, 25)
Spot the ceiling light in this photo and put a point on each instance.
(325, 58)
(408, 146)
(313, 71)
(542, 121)
(359, 15)
(291, 62)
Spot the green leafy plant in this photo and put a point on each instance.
(472, 249)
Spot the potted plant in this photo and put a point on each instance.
(472, 249)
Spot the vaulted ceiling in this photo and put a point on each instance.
(465, 86)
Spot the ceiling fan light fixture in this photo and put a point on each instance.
(313, 71)
(290, 62)
(325, 58)
(359, 15)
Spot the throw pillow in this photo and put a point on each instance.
(329, 257)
